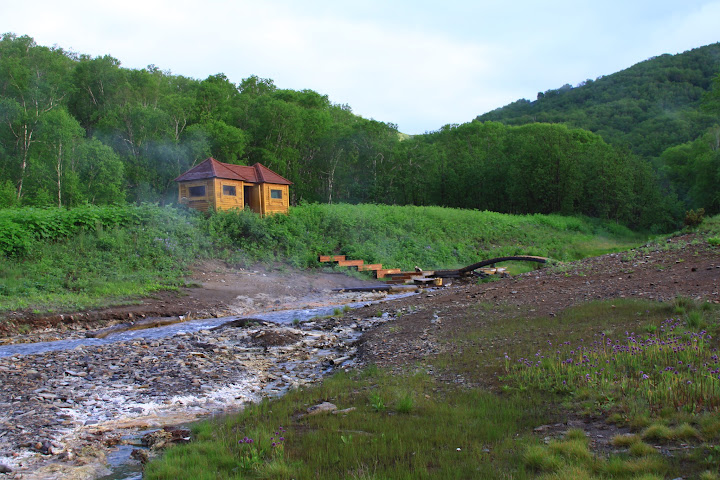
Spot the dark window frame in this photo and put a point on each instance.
(229, 190)
(193, 191)
(276, 194)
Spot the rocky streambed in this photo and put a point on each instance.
(60, 411)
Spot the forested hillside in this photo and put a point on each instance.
(76, 130)
(665, 109)
(646, 108)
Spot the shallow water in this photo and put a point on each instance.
(122, 466)
(118, 459)
(191, 326)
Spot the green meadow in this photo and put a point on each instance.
(647, 372)
(56, 259)
(416, 424)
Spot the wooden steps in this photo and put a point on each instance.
(330, 258)
(393, 276)
(384, 272)
(419, 277)
(374, 267)
(342, 261)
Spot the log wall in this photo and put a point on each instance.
(260, 196)
(271, 205)
(226, 202)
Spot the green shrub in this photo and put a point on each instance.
(14, 240)
(657, 432)
(685, 431)
(538, 459)
(8, 195)
(641, 449)
(694, 218)
(624, 440)
(83, 257)
(404, 404)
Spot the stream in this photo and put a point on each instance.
(133, 380)
(281, 317)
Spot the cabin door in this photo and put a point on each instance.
(251, 197)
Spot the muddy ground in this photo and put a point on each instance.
(683, 266)
(212, 362)
(216, 290)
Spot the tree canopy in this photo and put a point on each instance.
(76, 129)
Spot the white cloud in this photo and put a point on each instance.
(418, 64)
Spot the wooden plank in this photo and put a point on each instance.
(330, 258)
(405, 275)
(350, 263)
(374, 266)
(385, 271)
(410, 277)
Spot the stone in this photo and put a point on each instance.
(324, 407)
(141, 455)
(344, 411)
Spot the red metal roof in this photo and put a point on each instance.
(211, 168)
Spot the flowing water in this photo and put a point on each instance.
(281, 317)
(119, 461)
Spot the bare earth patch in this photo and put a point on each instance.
(163, 375)
(685, 266)
(217, 290)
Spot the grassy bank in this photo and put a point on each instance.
(402, 237)
(58, 259)
(418, 425)
(64, 259)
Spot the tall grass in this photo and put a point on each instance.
(671, 368)
(115, 254)
(83, 257)
(448, 433)
(402, 237)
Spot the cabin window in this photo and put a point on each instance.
(198, 191)
(229, 190)
(275, 193)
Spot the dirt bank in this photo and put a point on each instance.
(683, 266)
(56, 395)
(217, 289)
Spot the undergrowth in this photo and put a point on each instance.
(442, 432)
(92, 256)
(447, 416)
(406, 236)
(55, 259)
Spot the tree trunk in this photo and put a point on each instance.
(58, 169)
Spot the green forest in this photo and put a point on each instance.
(664, 110)
(639, 147)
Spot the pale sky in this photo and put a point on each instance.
(418, 64)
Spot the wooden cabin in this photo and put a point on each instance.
(214, 185)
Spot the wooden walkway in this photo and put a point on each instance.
(429, 277)
(360, 265)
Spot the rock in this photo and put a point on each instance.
(344, 411)
(5, 469)
(141, 455)
(161, 439)
(322, 408)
